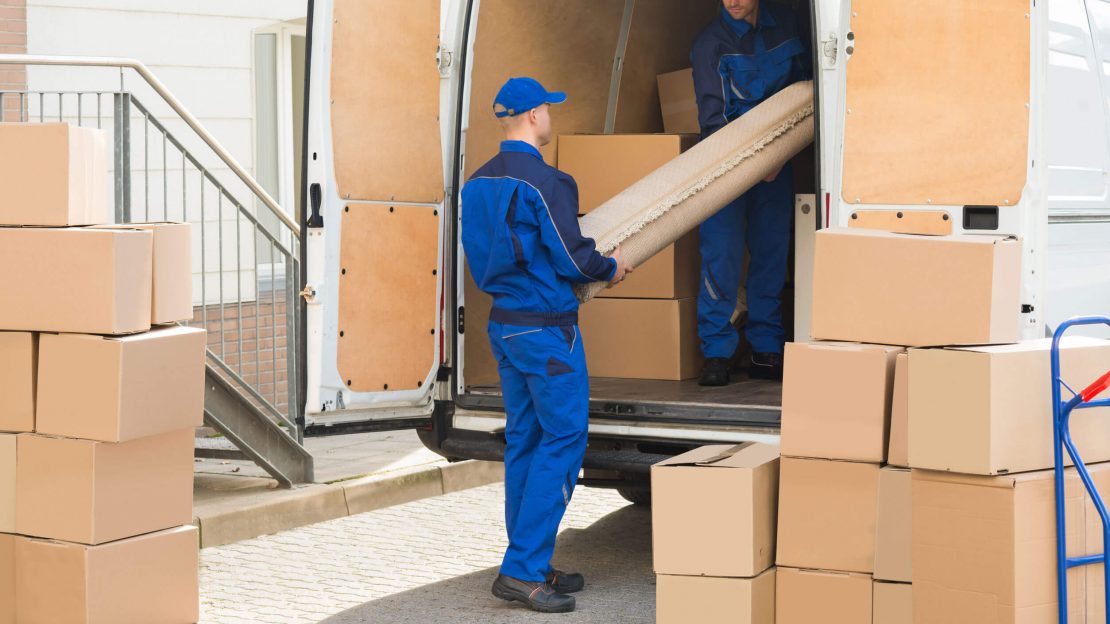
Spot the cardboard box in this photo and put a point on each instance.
(984, 548)
(898, 449)
(988, 410)
(7, 579)
(641, 338)
(151, 579)
(893, 534)
(679, 102)
(96, 492)
(878, 287)
(670, 274)
(827, 514)
(836, 400)
(893, 603)
(18, 362)
(811, 596)
(7, 482)
(53, 174)
(119, 388)
(603, 165)
(1095, 596)
(713, 511)
(81, 280)
(685, 599)
(172, 290)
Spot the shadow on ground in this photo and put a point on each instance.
(614, 553)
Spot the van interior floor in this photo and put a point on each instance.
(744, 402)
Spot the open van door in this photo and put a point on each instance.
(941, 113)
(379, 118)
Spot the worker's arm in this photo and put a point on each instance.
(574, 256)
(708, 87)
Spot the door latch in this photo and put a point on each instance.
(828, 51)
(444, 58)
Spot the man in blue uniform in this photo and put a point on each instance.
(749, 53)
(524, 247)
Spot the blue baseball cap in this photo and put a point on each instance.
(520, 95)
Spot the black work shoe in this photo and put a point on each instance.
(715, 372)
(566, 582)
(765, 366)
(537, 596)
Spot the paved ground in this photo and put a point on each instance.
(427, 562)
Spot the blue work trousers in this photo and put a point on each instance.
(546, 392)
(762, 219)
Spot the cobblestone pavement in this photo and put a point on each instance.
(428, 562)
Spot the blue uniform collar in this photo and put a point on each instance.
(743, 27)
(520, 146)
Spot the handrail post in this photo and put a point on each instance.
(121, 131)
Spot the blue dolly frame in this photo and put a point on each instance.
(1061, 412)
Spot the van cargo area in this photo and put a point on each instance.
(646, 368)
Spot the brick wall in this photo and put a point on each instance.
(13, 40)
(253, 343)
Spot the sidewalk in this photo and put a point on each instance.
(235, 500)
(429, 562)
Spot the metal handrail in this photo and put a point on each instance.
(175, 104)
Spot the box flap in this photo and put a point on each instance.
(1038, 344)
(743, 455)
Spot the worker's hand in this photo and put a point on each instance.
(623, 268)
(774, 174)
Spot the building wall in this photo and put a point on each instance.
(13, 40)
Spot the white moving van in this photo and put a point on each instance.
(962, 115)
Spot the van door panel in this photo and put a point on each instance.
(387, 296)
(937, 102)
(385, 100)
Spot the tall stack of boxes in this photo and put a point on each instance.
(958, 526)
(659, 299)
(99, 394)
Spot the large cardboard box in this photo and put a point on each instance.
(7, 482)
(686, 599)
(18, 362)
(893, 603)
(713, 510)
(988, 410)
(836, 400)
(7, 579)
(827, 514)
(603, 165)
(898, 450)
(53, 174)
(172, 290)
(1095, 592)
(119, 388)
(82, 280)
(150, 579)
(641, 338)
(878, 287)
(984, 548)
(678, 102)
(96, 492)
(893, 535)
(828, 597)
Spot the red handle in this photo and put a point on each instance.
(1093, 390)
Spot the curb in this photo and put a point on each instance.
(290, 509)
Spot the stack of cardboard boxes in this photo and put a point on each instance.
(99, 394)
(963, 402)
(713, 534)
(659, 299)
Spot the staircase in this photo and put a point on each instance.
(247, 253)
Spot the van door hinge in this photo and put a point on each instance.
(828, 51)
(444, 57)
